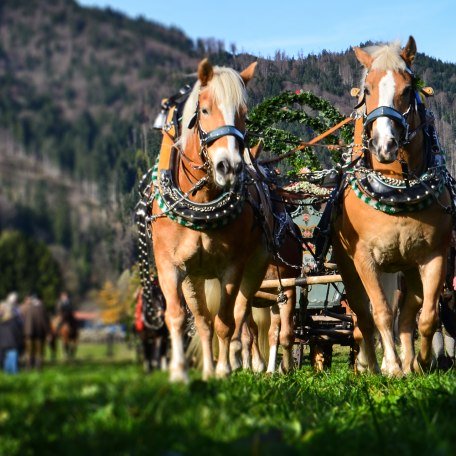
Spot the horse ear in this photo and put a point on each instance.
(409, 51)
(205, 71)
(257, 149)
(248, 73)
(363, 57)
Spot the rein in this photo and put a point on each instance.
(312, 143)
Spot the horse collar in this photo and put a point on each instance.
(197, 216)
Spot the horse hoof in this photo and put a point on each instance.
(394, 371)
(285, 370)
(258, 367)
(420, 366)
(208, 375)
(222, 371)
(360, 368)
(178, 376)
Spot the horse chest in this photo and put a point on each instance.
(200, 252)
(398, 245)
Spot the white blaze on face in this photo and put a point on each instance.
(384, 125)
(230, 154)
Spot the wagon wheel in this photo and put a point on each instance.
(298, 354)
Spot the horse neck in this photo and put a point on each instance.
(188, 172)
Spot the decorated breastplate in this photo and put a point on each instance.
(396, 195)
(197, 216)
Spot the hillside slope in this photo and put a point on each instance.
(79, 88)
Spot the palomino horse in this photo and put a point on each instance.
(154, 341)
(396, 210)
(201, 227)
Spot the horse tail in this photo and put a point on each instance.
(194, 351)
(262, 318)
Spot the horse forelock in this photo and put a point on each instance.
(386, 57)
(226, 87)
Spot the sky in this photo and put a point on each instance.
(296, 27)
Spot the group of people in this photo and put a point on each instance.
(25, 327)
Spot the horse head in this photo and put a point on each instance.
(214, 121)
(389, 97)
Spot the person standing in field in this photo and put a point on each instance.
(11, 334)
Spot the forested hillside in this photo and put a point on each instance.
(79, 88)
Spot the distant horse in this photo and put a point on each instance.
(154, 342)
(395, 210)
(68, 333)
(202, 227)
(36, 330)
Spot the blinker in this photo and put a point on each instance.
(193, 120)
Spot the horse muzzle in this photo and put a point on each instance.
(227, 172)
(385, 150)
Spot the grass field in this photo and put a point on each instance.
(100, 406)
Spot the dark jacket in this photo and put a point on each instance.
(11, 334)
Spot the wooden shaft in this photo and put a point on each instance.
(265, 295)
(301, 281)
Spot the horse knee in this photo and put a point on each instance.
(286, 338)
(383, 318)
(224, 328)
(427, 324)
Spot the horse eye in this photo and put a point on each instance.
(204, 111)
(366, 91)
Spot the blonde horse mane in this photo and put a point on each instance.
(385, 57)
(226, 87)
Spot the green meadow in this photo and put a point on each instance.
(109, 406)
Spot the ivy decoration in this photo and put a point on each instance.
(278, 120)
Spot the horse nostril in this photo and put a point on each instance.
(223, 167)
(392, 144)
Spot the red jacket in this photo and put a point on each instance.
(139, 323)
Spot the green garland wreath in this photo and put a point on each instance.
(287, 108)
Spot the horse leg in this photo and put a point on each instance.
(194, 293)
(260, 323)
(359, 303)
(175, 319)
(247, 343)
(274, 331)
(147, 353)
(432, 278)
(28, 353)
(382, 313)
(39, 353)
(287, 330)
(226, 323)
(240, 311)
(253, 275)
(407, 318)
